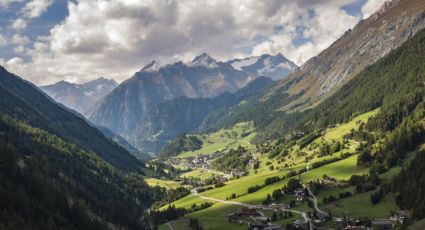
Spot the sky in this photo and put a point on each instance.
(45, 41)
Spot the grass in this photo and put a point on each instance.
(208, 224)
(420, 225)
(341, 170)
(169, 184)
(359, 205)
(202, 175)
(338, 132)
(163, 227)
(333, 191)
(224, 139)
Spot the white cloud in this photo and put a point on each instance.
(6, 3)
(371, 6)
(19, 24)
(18, 39)
(32, 9)
(3, 40)
(35, 8)
(116, 38)
(20, 43)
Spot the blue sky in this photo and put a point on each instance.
(126, 34)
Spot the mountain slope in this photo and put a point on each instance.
(23, 101)
(372, 38)
(124, 110)
(80, 97)
(323, 75)
(275, 67)
(181, 115)
(58, 172)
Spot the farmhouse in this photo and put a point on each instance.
(382, 224)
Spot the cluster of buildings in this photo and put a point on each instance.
(381, 224)
(253, 218)
(196, 162)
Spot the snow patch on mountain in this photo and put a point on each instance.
(204, 60)
(240, 63)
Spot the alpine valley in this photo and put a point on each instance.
(230, 143)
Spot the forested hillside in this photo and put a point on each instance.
(23, 101)
(59, 172)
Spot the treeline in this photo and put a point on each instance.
(234, 160)
(409, 187)
(48, 183)
(181, 144)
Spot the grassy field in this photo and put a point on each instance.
(357, 205)
(224, 139)
(203, 175)
(338, 132)
(162, 183)
(420, 225)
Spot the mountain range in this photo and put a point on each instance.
(58, 170)
(126, 109)
(185, 115)
(80, 97)
(321, 76)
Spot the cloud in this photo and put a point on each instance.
(18, 39)
(370, 7)
(116, 38)
(5, 3)
(32, 9)
(19, 24)
(3, 40)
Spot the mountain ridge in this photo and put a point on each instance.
(124, 109)
(80, 97)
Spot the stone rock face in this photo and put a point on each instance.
(124, 111)
(371, 39)
(80, 97)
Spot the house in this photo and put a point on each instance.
(382, 224)
(257, 226)
(273, 227)
(243, 212)
(249, 212)
(299, 192)
(301, 224)
(398, 216)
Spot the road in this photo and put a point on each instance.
(315, 202)
(170, 226)
(194, 192)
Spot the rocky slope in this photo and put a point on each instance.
(183, 115)
(80, 97)
(371, 39)
(320, 77)
(275, 67)
(125, 109)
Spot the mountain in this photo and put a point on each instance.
(124, 143)
(275, 67)
(24, 101)
(371, 39)
(321, 76)
(182, 115)
(80, 97)
(124, 110)
(59, 172)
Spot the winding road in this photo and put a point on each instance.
(194, 192)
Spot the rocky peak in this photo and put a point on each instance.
(204, 60)
(153, 66)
